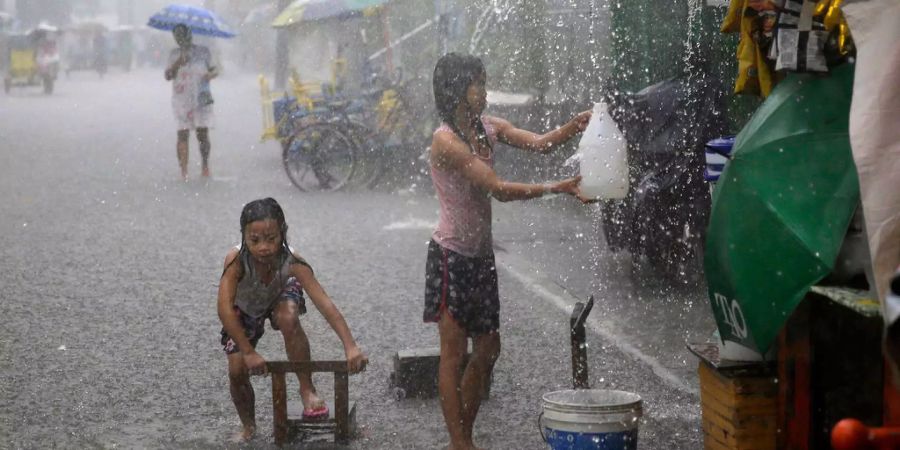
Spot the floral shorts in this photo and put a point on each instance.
(254, 327)
(465, 287)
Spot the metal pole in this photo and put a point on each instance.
(441, 27)
(386, 25)
(579, 348)
(282, 50)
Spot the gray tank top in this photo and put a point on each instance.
(255, 298)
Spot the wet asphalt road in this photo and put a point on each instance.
(110, 268)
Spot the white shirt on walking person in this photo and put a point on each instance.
(190, 112)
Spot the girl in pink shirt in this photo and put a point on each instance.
(461, 292)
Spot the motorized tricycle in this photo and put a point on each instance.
(33, 59)
(86, 48)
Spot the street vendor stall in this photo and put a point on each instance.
(786, 221)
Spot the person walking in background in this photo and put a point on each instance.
(101, 50)
(461, 290)
(190, 68)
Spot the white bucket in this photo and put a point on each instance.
(590, 419)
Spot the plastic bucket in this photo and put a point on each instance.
(590, 419)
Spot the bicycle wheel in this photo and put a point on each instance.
(369, 155)
(319, 157)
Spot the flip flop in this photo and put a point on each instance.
(312, 414)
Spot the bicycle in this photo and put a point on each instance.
(319, 156)
(331, 143)
(316, 156)
(385, 136)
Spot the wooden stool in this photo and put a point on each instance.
(341, 423)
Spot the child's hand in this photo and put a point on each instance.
(255, 363)
(571, 186)
(581, 120)
(356, 359)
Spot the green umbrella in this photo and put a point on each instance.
(781, 207)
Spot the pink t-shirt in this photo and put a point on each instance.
(465, 222)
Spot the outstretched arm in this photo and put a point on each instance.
(539, 143)
(229, 317)
(356, 360)
(448, 152)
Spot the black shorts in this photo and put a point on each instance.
(255, 327)
(464, 286)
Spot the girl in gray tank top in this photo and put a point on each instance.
(264, 279)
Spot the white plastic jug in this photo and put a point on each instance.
(604, 157)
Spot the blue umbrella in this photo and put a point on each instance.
(200, 21)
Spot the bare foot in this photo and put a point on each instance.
(246, 434)
(463, 447)
(205, 172)
(311, 400)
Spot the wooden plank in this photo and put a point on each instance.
(795, 380)
(341, 407)
(709, 400)
(279, 404)
(761, 423)
(732, 397)
(757, 442)
(742, 433)
(738, 403)
(891, 400)
(744, 386)
(711, 443)
(307, 366)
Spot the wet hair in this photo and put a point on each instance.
(453, 74)
(262, 209)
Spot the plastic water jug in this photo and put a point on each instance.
(604, 157)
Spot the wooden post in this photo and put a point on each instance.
(279, 404)
(579, 349)
(341, 407)
(794, 381)
(891, 413)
